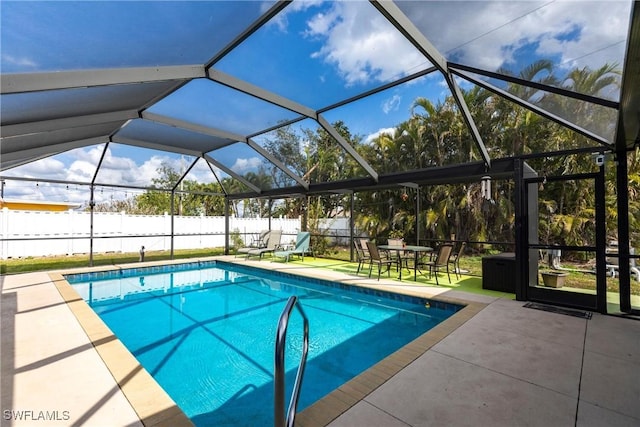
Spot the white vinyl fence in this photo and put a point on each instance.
(40, 233)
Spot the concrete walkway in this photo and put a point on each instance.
(514, 366)
(500, 365)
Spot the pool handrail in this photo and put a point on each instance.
(279, 368)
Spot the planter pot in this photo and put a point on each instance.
(553, 279)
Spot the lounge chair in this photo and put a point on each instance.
(272, 244)
(257, 243)
(301, 247)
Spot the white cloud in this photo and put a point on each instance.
(603, 26)
(22, 62)
(149, 169)
(242, 166)
(91, 155)
(81, 171)
(362, 44)
(47, 168)
(281, 20)
(389, 131)
(117, 163)
(114, 169)
(202, 174)
(391, 104)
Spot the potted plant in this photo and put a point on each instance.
(553, 279)
(396, 234)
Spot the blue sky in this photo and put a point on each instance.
(315, 53)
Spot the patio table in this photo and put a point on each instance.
(408, 248)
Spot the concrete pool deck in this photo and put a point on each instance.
(496, 364)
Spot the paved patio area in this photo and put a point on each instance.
(496, 364)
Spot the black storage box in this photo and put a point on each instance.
(499, 272)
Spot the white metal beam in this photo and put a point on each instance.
(231, 173)
(154, 146)
(66, 122)
(628, 129)
(406, 27)
(31, 82)
(19, 157)
(466, 115)
(347, 147)
(182, 124)
(277, 163)
(258, 92)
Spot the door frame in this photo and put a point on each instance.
(530, 246)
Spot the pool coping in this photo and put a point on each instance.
(152, 404)
(155, 407)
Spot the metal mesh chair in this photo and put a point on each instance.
(441, 261)
(362, 252)
(455, 260)
(378, 259)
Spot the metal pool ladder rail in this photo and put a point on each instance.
(279, 370)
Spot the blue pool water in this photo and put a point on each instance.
(206, 331)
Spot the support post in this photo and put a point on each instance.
(521, 224)
(92, 204)
(351, 227)
(622, 185)
(418, 208)
(173, 202)
(226, 225)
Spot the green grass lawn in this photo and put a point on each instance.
(31, 264)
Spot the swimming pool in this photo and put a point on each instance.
(205, 331)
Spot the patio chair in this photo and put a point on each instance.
(303, 240)
(455, 260)
(378, 259)
(441, 261)
(256, 243)
(362, 253)
(365, 248)
(401, 257)
(272, 244)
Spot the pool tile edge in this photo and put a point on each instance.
(151, 403)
